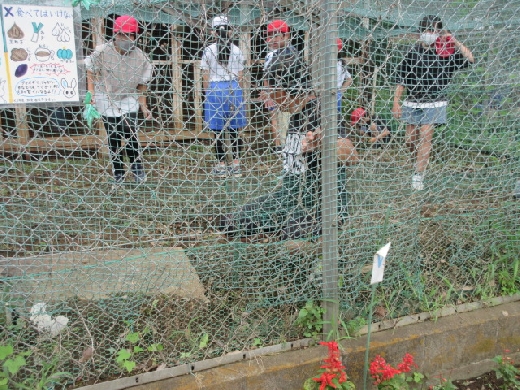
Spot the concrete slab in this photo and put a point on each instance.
(100, 274)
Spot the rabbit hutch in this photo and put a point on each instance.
(174, 36)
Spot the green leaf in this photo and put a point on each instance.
(132, 337)
(5, 351)
(138, 349)
(14, 365)
(204, 341)
(129, 365)
(4, 381)
(123, 355)
(155, 347)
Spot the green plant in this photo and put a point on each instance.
(257, 342)
(352, 327)
(445, 384)
(48, 378)
(125, 358)
(507, 371)
(310, 318)
(13, 362)
(510, 281)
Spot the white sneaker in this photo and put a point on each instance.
(516, 192)
(417, 182)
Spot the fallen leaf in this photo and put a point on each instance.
(86, 355)
(161, 367)
(380, 311)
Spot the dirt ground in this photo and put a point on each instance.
(487, 381)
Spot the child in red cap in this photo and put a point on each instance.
(364, 125)
(118, 73)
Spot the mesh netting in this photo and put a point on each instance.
(202, 211)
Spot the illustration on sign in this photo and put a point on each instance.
(39, 63)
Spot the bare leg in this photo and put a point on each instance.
(347, 152)
(274, 127)
(424, 147)
(411, 138)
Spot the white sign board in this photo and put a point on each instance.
(378, 266)
(39, 64)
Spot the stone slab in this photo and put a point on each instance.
(100, 274)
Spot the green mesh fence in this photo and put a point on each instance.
(170, 258)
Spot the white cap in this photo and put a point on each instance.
(219, 21)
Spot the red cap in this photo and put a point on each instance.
(356, 115)
(278, 26)
(444, 46)
(126, 24)
(340, 44)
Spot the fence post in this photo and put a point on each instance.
(327, 89)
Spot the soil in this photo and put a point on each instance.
(487, 381)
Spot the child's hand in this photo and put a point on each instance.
(311, 141)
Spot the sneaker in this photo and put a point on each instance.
(140, 177)
(235, 170)
(417, 182)
(219, 171)
(117, 181)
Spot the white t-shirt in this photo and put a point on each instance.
(218, 72)
(117, 77)
(343, 74)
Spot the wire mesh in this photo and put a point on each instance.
(188, 232)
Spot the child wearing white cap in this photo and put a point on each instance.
(222, 68)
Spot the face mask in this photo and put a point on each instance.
(429, 38)
(125, 45)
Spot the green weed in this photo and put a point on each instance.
(310, 318)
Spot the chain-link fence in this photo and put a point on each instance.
(202, 211)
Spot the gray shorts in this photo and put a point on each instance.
(424, 116)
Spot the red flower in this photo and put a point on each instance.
(380, 371)
(332, 367)
(326, 380)
(407, 363)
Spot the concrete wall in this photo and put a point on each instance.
(455, 346)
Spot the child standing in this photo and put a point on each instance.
(222, 75)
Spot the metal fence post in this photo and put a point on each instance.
(327, 82)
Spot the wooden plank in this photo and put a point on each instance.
(87, 142)
(176, 78)
(98, 33)
(197, 85)
(245, 47)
